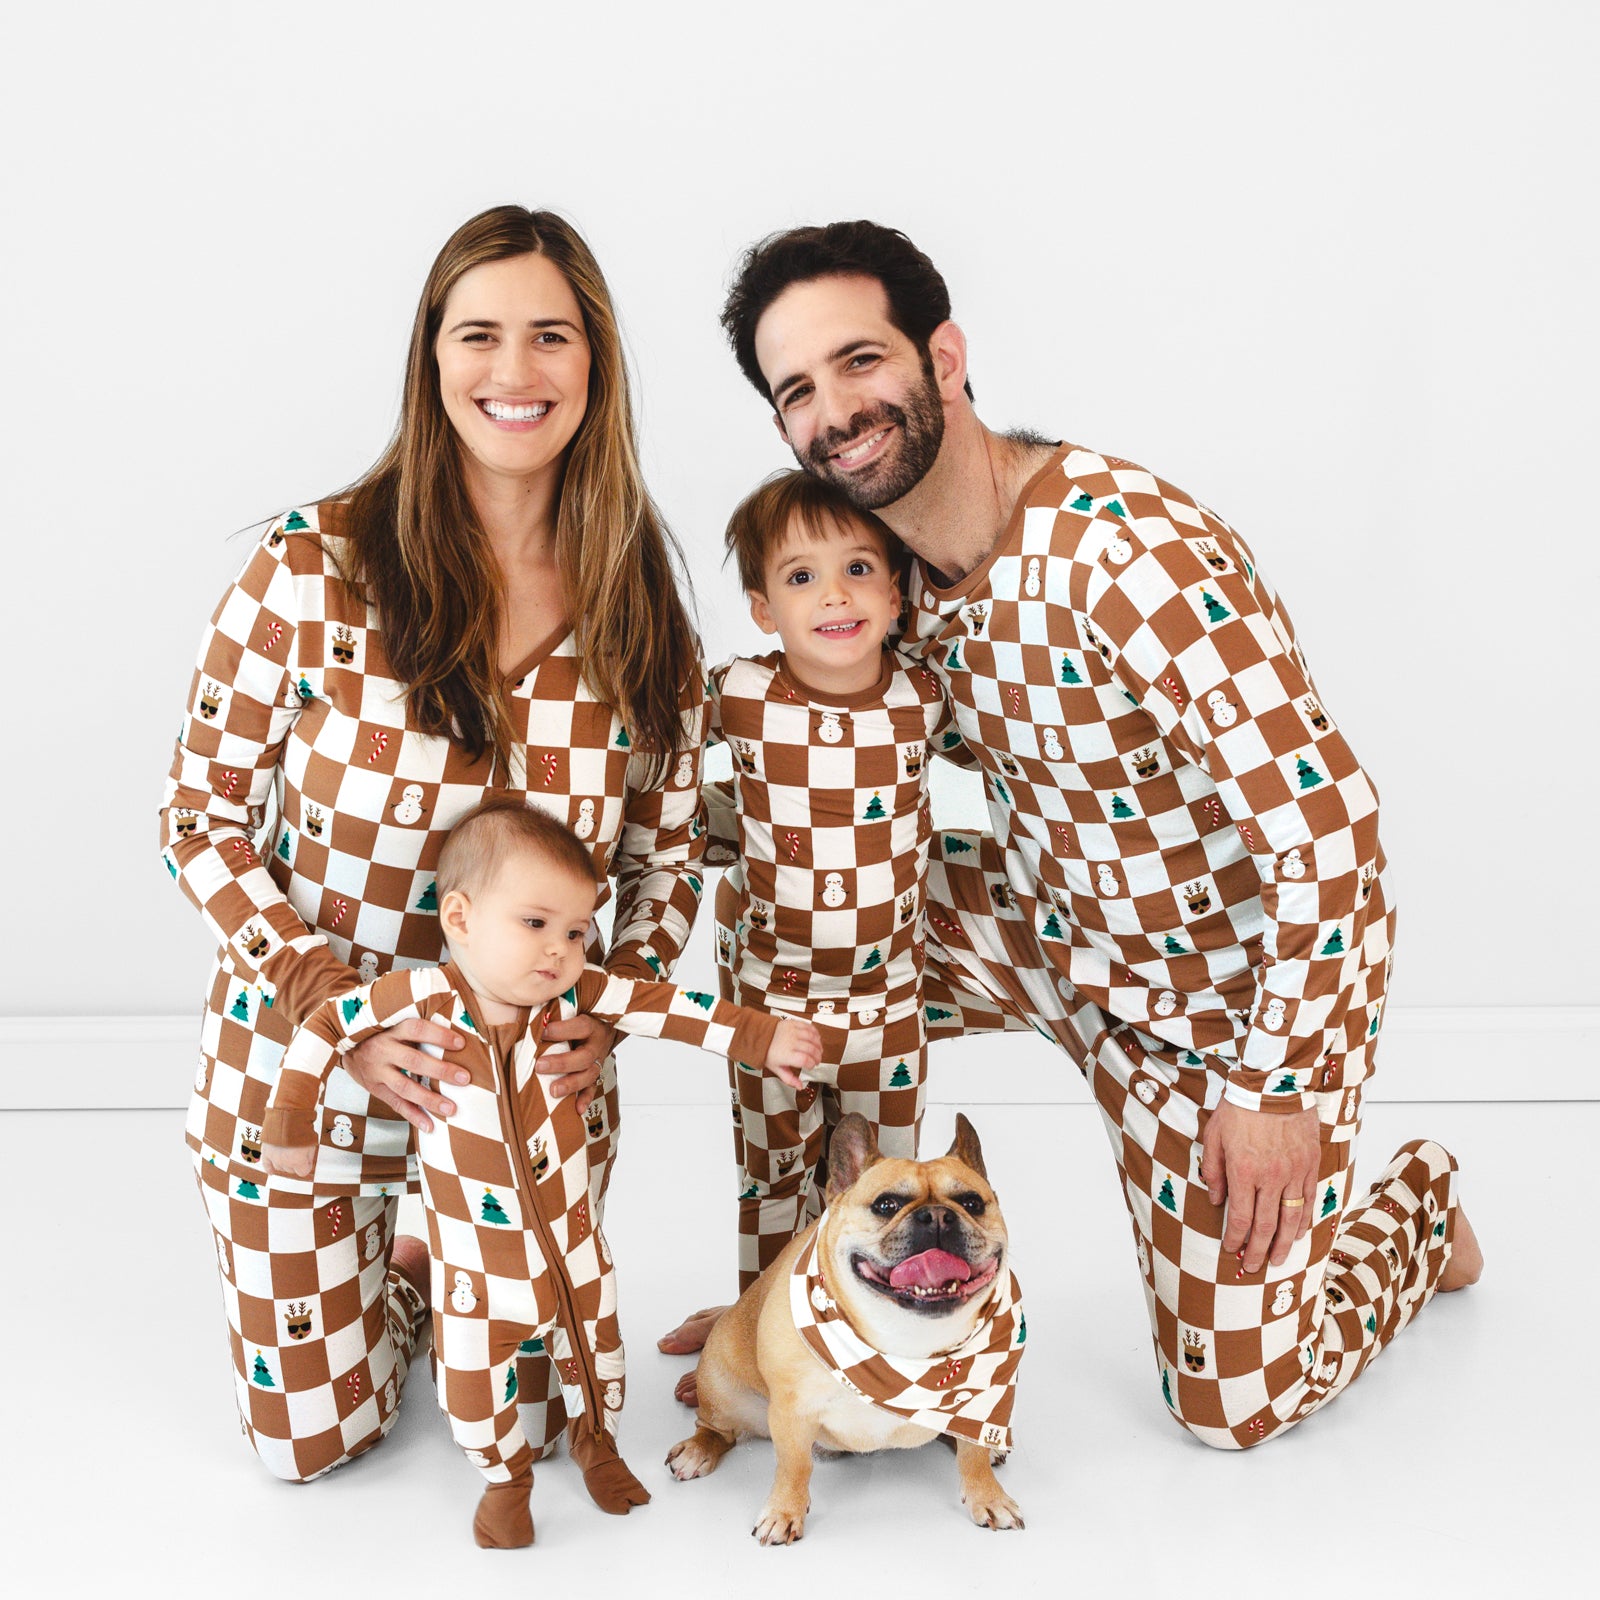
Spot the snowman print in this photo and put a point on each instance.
(476, 1457)
(367, 967)
(584, 826)
(408, 808)
(1144, 1258)
(1118, 550)
(1109, 887)
(828, 730)
(1292, 866)
(613, 1396)
(1283, 1300)
(1328, 1371)
(1223, 711)
(388, 1397)
(1031, 584)
(1272, 1018)
(644, 911)
(868, 1018)
(684, 775)
(1052, 746)
(1349, 1105)
(222, 1257)
(462, 1297)
(825, 1008)
(819, 1298)
(1166, 1003)
(343, 1132)
(373, 1238)
(833, 890)
(1146, 1091)
(200, 1075)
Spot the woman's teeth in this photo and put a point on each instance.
(504, 413)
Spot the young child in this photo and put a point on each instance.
(518, 1262)
(821, 916)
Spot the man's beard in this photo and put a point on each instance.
(902, 467)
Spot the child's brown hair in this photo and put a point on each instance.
(794, 499)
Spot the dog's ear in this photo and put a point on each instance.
(852, 1149)
(966, 1147)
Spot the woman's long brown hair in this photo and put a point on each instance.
(417, 546)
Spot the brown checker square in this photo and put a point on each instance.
(269, 1410)
(319, 787)
(303, 1366)
(295, 1274)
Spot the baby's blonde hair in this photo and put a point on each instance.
(499, 828)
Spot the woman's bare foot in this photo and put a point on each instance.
(1465, 1265)
(691, 1334)
(410, 1259)
(686, 1391)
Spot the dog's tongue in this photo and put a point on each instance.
(931, 1270)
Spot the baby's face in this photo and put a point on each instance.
(521, 940)
(831, 601)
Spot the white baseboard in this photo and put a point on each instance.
(1429, 1053)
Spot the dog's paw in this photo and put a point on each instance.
(995, 1510)
(693, 1458)
(780, 1524)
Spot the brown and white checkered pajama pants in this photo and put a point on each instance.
(1240, 1355)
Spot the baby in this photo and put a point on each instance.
(821, 916)
(518, 1261)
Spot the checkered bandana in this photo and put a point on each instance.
(965, 1392)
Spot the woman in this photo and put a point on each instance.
(492, 607)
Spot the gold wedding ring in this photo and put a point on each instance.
(1287, 1203)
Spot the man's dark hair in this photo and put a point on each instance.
(918, 298)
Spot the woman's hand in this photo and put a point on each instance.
(380, 1066)
(579, 1068)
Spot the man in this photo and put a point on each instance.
(1184, 887)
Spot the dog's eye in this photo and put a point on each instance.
(972, 1204)
(886, 1205)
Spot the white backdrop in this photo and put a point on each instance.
(1334, 273)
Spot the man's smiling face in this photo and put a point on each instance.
(856, 400)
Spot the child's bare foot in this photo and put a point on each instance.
(410, 1259)
(690, 1334)
(1465, 1265)
(687, 1390)
(611, 1485)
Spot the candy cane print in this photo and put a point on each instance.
(1170, 684)
(352, 1384)
(339, 909)
(274, 633)
(548, 762)
(1214, 810)
(380, 743)
(230, 782)
(792, 839)
(1014, 695)
(1248, 837)
(336, 1217)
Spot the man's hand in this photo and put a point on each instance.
(796, 1047)
(1264, 1164)
(579, 1067)
(381, 1064)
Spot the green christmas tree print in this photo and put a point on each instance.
(874, 811)
(953, 661)
(531, 1347)
(900, 1078)
(1438, 1230)
(750, 1192)
(1166, 1388)
(283, 845)
(1335, 944)
(259, 1373)
(493, 1211)
(304, 689)
(653, 964)
(465, 1020)
(1069, 673)
(1115, 508)
(172, 866)
(700, 998)
(1120, 809)
(1330, 1199)
(952, 739)
(1082, 503)
(1022, 1329)
(430, 897)
(1215, 610)
(1286, 1085)
(239, 1010)
(247, 1190)
(1052, 928)
(351, 1008)
(1173, 948)
(1167, 1197)
(937, 1013)
(1372, 1323)
(874, 959)
(511, 1383)
(955, 845)
(623, 741)
(295, 523)
(1190, 1059)
(1001, 792)
(1308, 775)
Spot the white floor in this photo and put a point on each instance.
(1462, 1463)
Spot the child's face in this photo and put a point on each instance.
(521, 940)
(830, 601)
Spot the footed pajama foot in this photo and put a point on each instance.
(503, 1520)
(611, 1485)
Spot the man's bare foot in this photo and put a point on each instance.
(691, 1334)
(686, 1391)
(410, 1260)
(1465, 1265)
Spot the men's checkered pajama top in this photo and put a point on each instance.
(1185, 828)
(517, 1253)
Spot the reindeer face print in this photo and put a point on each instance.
(297, 1320)
(344, 645)
(210, 700)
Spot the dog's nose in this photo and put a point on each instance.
(936, 1221)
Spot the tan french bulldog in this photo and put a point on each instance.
(912, 1253)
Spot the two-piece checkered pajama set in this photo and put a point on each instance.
(519, 1261)
(294, 710)
(821, 917)
(1185, 889)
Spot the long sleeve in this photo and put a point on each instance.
(657, 1010)
(243, 702)
(335, 1027)
(1187, 631)
(658, 855)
